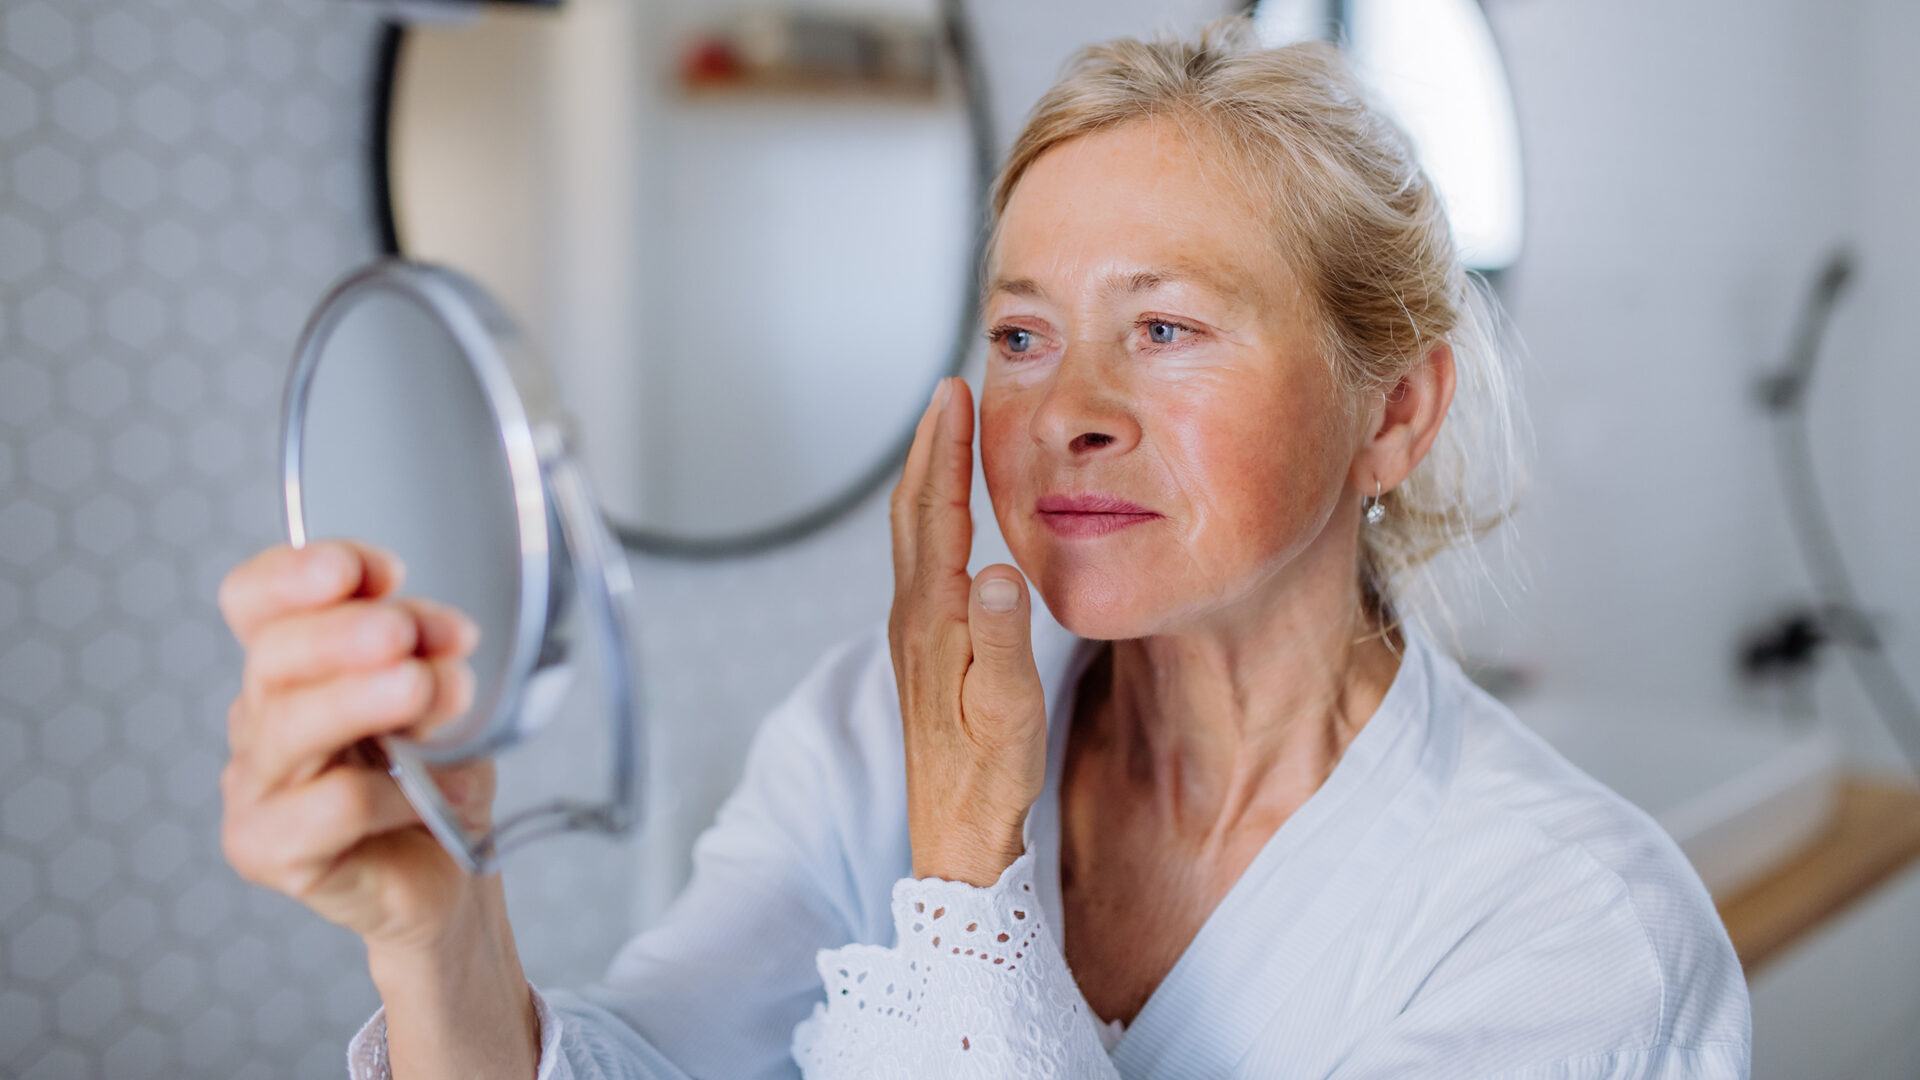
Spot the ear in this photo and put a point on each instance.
(1402, 424)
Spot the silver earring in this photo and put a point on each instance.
(1375, 512)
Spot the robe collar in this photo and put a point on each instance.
(1301, 890)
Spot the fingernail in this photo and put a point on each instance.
(944, 392)
(460, 694)
(999, 594)
(397, 567)
(327, 567)
(394, 685)
(385, 631)
(460, 627)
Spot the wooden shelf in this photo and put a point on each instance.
(1874, 835)
(811, 85)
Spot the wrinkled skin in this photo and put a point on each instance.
(1149, 345)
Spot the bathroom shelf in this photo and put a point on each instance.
(1874, 835)
(809, 86)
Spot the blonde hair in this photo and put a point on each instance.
(1362, 226)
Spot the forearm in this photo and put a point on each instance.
(459, 1007)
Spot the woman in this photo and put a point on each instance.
(1247, 822)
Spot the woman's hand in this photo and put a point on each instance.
(970, 695)
(333, 658)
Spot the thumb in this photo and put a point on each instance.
(1003, 674)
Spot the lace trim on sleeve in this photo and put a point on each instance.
(976, 987)
(367, 1053)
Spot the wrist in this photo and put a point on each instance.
(978, 862)
(473, 935)
(458, 1004)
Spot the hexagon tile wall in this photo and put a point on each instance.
(178, 182)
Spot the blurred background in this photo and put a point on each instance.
(744, 235)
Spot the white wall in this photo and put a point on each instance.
(1862, 976)
(1874, 395)
(1688, 166)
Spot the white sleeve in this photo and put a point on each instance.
(578, 1041)
(977, 987)
(799, 859)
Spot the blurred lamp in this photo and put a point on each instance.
(1434, 67)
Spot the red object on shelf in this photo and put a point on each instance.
(709, 60)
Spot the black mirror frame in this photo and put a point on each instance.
(957, 36)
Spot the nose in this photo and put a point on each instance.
(1085, 414)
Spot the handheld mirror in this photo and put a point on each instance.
(419, 420)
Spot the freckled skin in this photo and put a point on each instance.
(1228, 432)
(1150, 343)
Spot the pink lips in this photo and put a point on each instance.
(1089, 515)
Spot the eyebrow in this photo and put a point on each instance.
(1026, 287)
(1120, 283)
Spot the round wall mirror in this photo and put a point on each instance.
(746, 237)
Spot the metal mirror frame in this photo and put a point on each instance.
(956, 34)
(566, 556)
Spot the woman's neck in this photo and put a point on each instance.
(1237, 722)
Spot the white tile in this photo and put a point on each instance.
(39, 34)
(19, 106)
(45, 948)
(89, 1005)
(61, 459)
(85, 109)
(23, 248)
(46, 177)
(27, 532)
(164, 112)
(66, 597)
(122, 41)
(53, 318)
(199, 47)
(24, 397)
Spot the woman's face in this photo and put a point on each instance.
(1161, 436)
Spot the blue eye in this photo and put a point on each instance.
(1018, 340)
(1162, 333)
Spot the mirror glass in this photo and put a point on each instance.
(1435, 67)
(399, 447)
(745, 237)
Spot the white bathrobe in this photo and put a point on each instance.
(1455, 901)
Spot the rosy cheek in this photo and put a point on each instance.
(1201, 443)
(1230, 470)
(1001, 419)
(1000, 442)
(1006, 461)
